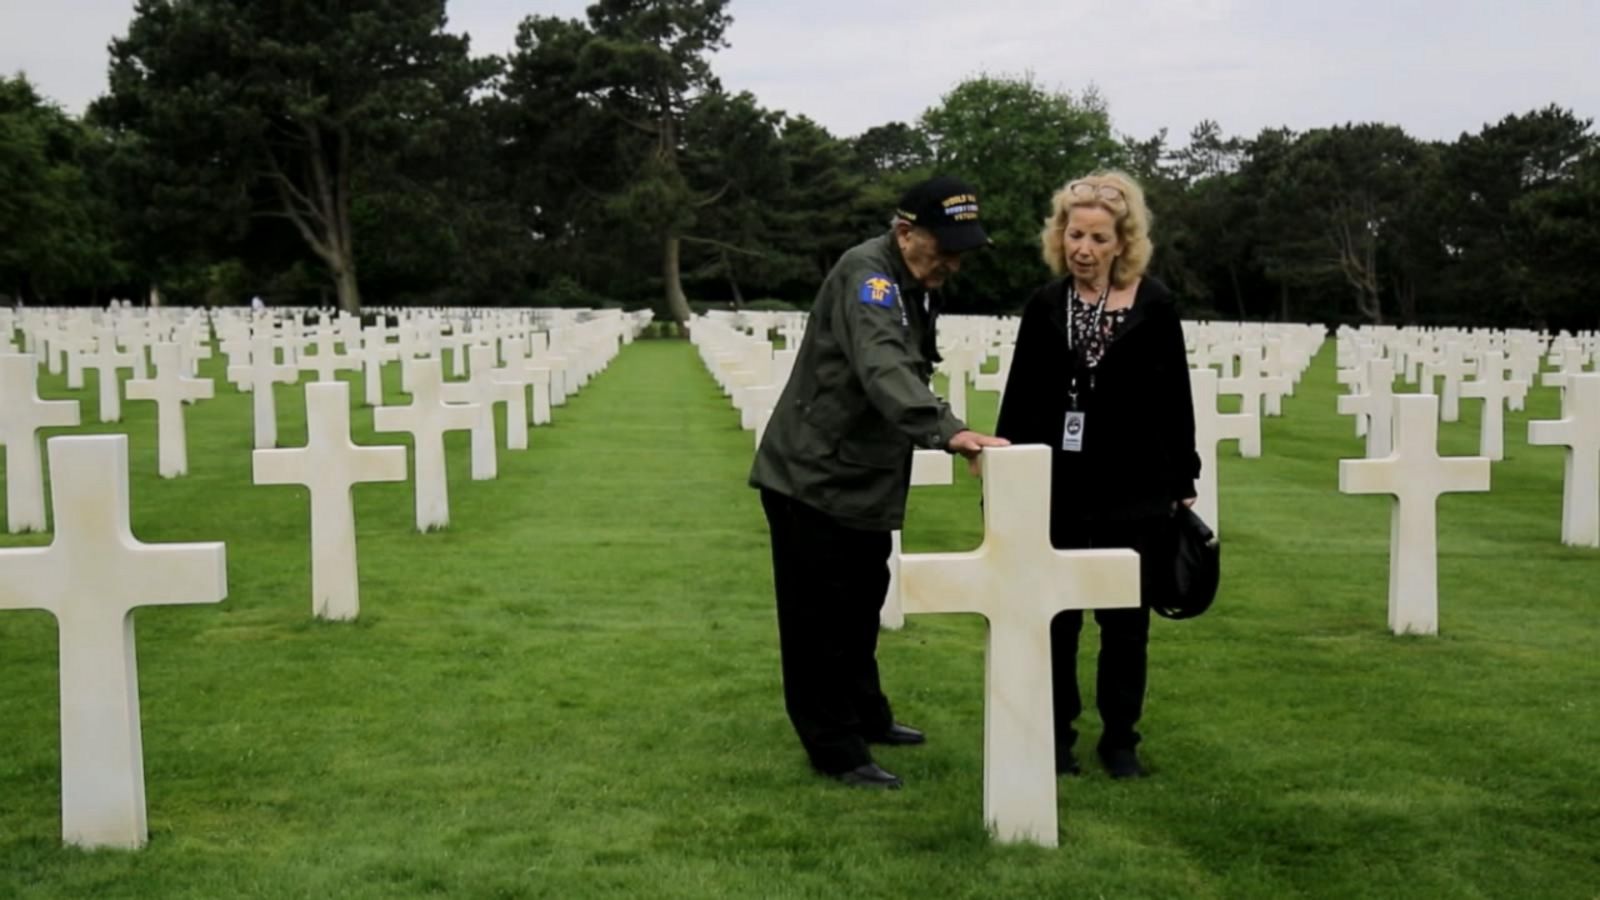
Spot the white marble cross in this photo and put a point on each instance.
(262, 373)
(1494, 390)
(1376, 405)
(1210, 429)
(486, 391)
(1415, 475)
(327, 362)
(108, 362)
(929, 468)
(375, 351)
(1249, 387)
(1571, 364)
(1019, 583)
(535, 377)
(1453, 368)
(1579, 430)
(427, 419)
(22, 414)
(956, 387)
(169, 389)
(331, 465)
(91, 578)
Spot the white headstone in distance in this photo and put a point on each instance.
(1019, 583)
(1210, 429)
(375, 351)
(956, 388)
(1377, 405)
(427, 419)
(107, 361)
(482, 393)
(1415, 475)
(929, 468)
(327, 361)
(1494, 390)
(1453, 368)
(22, 414)
(331, 465)
(1579, 430)
(262, 373)
(169, 389)
(91, 578)
(1249, 388)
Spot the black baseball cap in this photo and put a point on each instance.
(948, 207)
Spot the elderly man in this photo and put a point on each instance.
(835, 464)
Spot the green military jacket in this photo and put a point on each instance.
(858, 401)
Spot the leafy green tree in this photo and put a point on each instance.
(891, 148)
(55, 229)
(280, 108)
(1339, 195)
(627, 80)
(1017, 142)
(1563, 219)
(1489, 177)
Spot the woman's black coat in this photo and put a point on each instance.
(1138, 440)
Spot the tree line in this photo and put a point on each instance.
(356, 151)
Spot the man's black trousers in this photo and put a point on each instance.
(831, 581)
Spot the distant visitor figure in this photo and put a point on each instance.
(257, 304)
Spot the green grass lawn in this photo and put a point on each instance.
(573, 691)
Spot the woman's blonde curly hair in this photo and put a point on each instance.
(1131, 215)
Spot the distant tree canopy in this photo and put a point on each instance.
(354, 151)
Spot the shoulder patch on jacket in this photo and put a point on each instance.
(878, 289)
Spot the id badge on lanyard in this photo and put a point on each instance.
(1077, 420)
(1072, 431)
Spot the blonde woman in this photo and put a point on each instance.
(1100, 375)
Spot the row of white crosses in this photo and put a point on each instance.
(94, 573)
(1259, 363)
(737, 351)
(174, 339)
(1403, 462)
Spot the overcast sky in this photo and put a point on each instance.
(1435, 67)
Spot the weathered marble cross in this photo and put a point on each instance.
(169, 389)
(327, 362)
(262, 373)
(22, 414)
(1376, 405)
(1019, 583)
(929, 468)
(108, 362)
(1579, 430)
(1210, 429)
(1415, 475)
(428, 418)
(1494, 390)
(1453, 368)
(1249, 387)
(331, 465)
(91, 578)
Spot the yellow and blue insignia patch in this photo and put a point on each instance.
(880, 290)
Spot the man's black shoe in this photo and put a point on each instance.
(1123, 763)
(900, 735)
(870, 776)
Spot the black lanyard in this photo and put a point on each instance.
(1080, 360)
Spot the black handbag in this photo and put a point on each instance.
(1196, 570)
